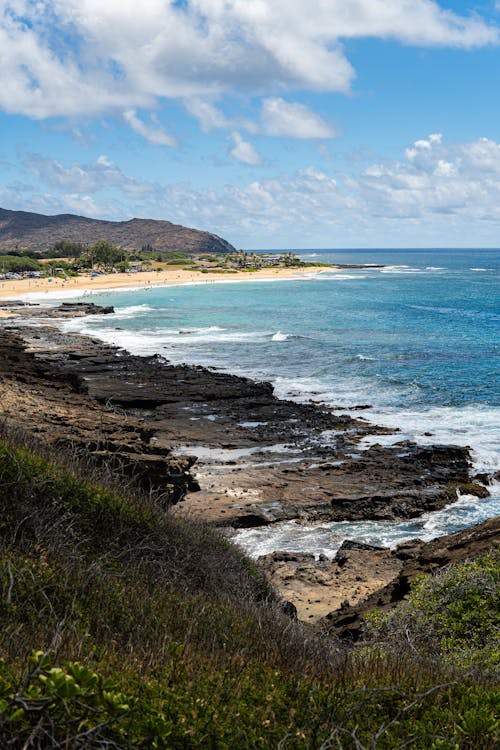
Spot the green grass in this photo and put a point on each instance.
(122, 627)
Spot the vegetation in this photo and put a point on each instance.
(66, 249)
(454, 614)
(17, 264)
(105, 255)
(70, 258)
(122, 627)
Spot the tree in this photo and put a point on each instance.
(15, 264)
(290, 259)
(105, 255)
(67, 249)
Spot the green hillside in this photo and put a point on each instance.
(122, 627)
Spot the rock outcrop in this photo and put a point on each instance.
(413, 559)
(335, 595)
(260, 459)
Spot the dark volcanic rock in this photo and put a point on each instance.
(225, 450)
(344, 553)
(39, 397)
(85, 308)
(65, 310)
(260, 459)
(416, 559)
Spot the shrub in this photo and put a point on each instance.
(454, 614)
(15, 264)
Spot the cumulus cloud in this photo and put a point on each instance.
(212, 117)
(207, 114)
(83, 178)
(298, 203)
(244, 151)
(460, 179)
(447, 188)
(83, 57)
(293, 120)
(152, 132)
(450, 194)
(277, 118)
(40, 82)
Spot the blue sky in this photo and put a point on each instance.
(274, 123)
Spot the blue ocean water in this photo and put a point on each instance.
(417, 340)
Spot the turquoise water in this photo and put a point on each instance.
(417, 340)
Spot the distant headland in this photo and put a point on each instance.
(25, 230)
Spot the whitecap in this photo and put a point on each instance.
(401, 269)
(173, 342)
(326, 538)
(190, 331)
(474, 426)
(278, 336)
(341, 277)
(122, 313)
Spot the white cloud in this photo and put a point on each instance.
(40, 83)
(211, 117)
(103, 161)
(49, 203)
(449, 190)
(83, 178)
(449, 195)
(244, 151)
(83, 57)
(83, 205)
(423, 145)
(207, 114)
(461, 179)
(153, 132)
(293, 120)
(277, 118)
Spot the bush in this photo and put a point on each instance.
(453, 614)
(15, 264)
(246, 707)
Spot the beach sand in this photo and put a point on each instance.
(168, 277)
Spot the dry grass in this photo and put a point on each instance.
(159, 633)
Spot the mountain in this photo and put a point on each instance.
(23, 230)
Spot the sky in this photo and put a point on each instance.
(273, 123)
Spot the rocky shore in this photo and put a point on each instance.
(335, 595)
(224, 449)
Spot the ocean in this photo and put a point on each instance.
(416, 340)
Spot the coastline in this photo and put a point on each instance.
(14, 288)
(228, 452)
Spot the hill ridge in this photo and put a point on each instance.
(26, 229)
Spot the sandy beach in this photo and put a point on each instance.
(168, 277)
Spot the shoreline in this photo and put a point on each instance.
(227, 451)
(21, 288)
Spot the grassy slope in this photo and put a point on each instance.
(122, 627)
